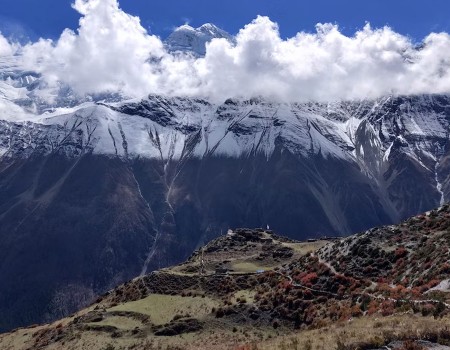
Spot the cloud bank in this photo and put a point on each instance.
(112, 52)
(6, 49)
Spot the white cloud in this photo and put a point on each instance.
(6, 48)
(111, 51)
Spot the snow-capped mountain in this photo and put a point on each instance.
(99, 189)
(375, 137)
(188, 39)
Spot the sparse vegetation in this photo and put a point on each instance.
(360, 292)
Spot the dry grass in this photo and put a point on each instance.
(374, 330)
(247, 295)
(17, 340)
(120, 322)
(247, 266)
(365, 329)
(162, 308)
(304, 248)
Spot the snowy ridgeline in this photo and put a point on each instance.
(37, 118)
(169, 128)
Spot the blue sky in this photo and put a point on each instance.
(47, 18)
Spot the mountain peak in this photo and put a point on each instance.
(211, 28)
(184, 27)
(186, 38)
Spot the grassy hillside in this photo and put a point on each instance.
(252, 289)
